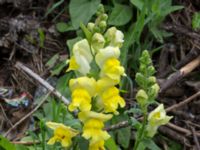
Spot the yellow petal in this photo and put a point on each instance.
(66, 142)
(53, 125)
(105, 83)
(52, 140)
(97, 146)
(84, 116)
(72, 64)
(86, 83)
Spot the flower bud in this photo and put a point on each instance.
(104, 17)
(100, 8)
(140, 79)
(142, 97)
(151, 70)
(97, 42)
(145, 58)
(91, 26)
(151, 80)
(153, 92)
(102, 24)
(114, 37)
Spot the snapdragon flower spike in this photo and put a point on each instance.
(62, 134)
(81, 57)
(83, 89)
(157, 118)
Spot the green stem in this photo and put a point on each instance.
(141, 132)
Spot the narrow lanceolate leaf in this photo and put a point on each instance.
(82, 11)
(120, 15)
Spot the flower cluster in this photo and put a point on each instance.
(147, 95)
(95, 95)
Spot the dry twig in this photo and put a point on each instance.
(20, 66)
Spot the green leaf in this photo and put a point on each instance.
(58, 68)
(196, 20)
(87, 33)
(110, 144)
(82, 143)
(62, 84)
(52, 61)
(82, 11)
(21, 147)
(120, 15)
(123, 136)
(138, 3)
(64, 27)
(6, 144)
(150, 144)
(55, 5)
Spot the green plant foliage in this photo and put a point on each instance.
(5, 144)
(123, 137)
(41, 36)
(82, 11)
(120, 15)
(53, 7)
(58, 68)
(110, 144)
(156, 12)
(52, 61)
(64, 27)
(196, 21)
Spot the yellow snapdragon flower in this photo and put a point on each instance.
(81, 57)
(81, 99)
(93, 125)
(114, 36)
(157, 118)
(105, 53)
(112, 69)
(111, 100)
(83, 88)
(62, 134)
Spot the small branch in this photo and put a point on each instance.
(181, 30)
(174, 135)
(28, 115)
(184, 102)
(195, 138)
(26, 143)
(122, 124)
(180, 74)
(5, 116)
(20, 66)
